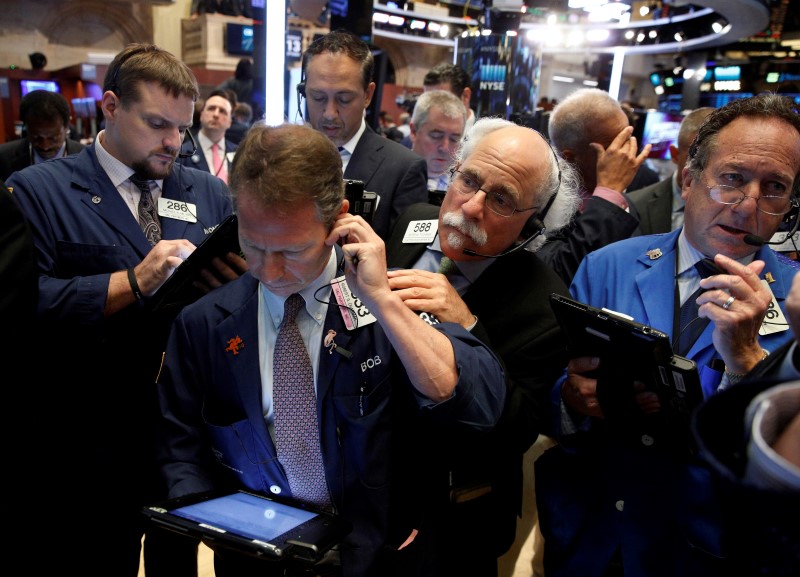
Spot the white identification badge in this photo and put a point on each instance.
(354, 313)
(774, 321)
(421, 231)
(177, 209)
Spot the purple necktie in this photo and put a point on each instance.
(295, 410)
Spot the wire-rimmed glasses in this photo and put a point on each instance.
(768, 204)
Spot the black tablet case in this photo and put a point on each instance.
(178, 290)
(253, 524)
(630, 351)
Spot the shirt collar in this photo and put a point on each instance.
(470, 269)
(688, 255)
(116, 170)
(318, 290)
(350, 145)
(206, 143)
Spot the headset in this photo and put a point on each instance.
(192, 141)
(301, 88)
(789, 223)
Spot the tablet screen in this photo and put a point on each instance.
(246, 515)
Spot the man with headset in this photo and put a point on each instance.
(337, 86)
(618, 495)
(110, 225)
(506, 186)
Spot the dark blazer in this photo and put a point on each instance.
(654, 204)
(511, 301)
(198, 159)
(236, 132)
(377, 464)
(601, 223)
(645, 176)
(16, 155)
(398, 175)
(101, 431)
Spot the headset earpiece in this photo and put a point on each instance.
(301, 90)
(533, 226)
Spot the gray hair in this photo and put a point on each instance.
(565, 189)
(449, 104)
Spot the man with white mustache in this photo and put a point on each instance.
(506, 185)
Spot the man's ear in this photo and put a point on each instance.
(368, 94)
(687, 181)
(673, 153)
(466, 96)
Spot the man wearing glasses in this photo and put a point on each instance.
(622, 499)
(506, 185)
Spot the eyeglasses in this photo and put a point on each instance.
(498, 202)
(768, 204)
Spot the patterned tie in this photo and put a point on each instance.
(295, 409)
(148, 218)
(447, 266)
(691, 326)
(220, 169)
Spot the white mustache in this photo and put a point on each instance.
(464, 226)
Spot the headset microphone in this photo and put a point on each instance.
(533, 223)
(193, 151)
(755, 240)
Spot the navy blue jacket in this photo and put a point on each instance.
(378, 464)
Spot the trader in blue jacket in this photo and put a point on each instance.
(383, 377)
(625, 497)
(98, 348)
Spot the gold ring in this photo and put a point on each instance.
(729, 302)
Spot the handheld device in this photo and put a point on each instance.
(630, 351)
(362, 202)
(251, 523)
(178, 290)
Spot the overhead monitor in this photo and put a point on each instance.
(661, 130)
(31, 85)
(239, 39)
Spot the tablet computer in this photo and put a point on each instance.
(630, 351)
(252, 524)
(178, 290)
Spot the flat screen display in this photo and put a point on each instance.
(31, 85)
(239, 39)
(661, 130)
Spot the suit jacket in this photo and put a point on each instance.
(654, 205)
(198, 157)
(236, 132)
(83, 231)
(511, 301)
(627, 489)
(397, 174)
(377, 464)
(16, 155)
(645, 176)
(601, 223)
